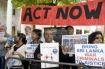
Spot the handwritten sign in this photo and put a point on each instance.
(30, 49)
(50, 52)
(90, 54)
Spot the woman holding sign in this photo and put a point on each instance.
(36, 35)
(95, 38)
(18, 50)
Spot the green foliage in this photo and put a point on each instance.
(66, 2)
(20, 3)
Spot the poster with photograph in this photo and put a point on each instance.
(50, 52)
(30, 49)
(69, 41)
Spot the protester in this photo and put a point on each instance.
(3, 50)
(18, 50)
(70, 31)
(48, 36)
(28, 34)
(36, 35)
(29, 39)
(95, 38)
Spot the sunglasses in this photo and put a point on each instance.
(98, 37)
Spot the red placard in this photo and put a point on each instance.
(88, 13)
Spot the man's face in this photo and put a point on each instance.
(2, 29)
(70, 31)
(27, 30)
(48, 36)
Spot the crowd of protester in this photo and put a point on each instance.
(34, 37)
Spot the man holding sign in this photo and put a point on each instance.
(63, 56)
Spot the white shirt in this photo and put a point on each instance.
(29, 39)
(21, 50)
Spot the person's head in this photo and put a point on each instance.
(70, 30)
(3, 28)
(95, 37)
(36, 34)
(27, 30)
(48, 35)
(21, 38)
(18, 31)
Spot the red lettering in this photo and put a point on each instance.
(90, 54)
(77, 36)
(90, 58)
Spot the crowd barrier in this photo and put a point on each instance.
(61, 63)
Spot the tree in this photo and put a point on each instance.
(20, 3)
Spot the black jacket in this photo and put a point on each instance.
(62, 57)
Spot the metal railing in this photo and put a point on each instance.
(61, 63)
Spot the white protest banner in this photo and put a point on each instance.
(50, 52)
(30, 49)
(90, 54)
(69, 40)
(2, 34)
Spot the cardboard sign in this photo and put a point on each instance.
(30, 50)
(10, 63)
(88, 13)
(50, 52)
(90, 54)
(2, 34)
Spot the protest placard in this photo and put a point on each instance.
(30, 49)
(68, 41)
(50, 52)
(90, 54)
(2, 34)
(10, 63)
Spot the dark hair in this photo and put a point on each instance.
(69, 27)
(23, 36)
(47, 29)
(93, 35)
(38, 32)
